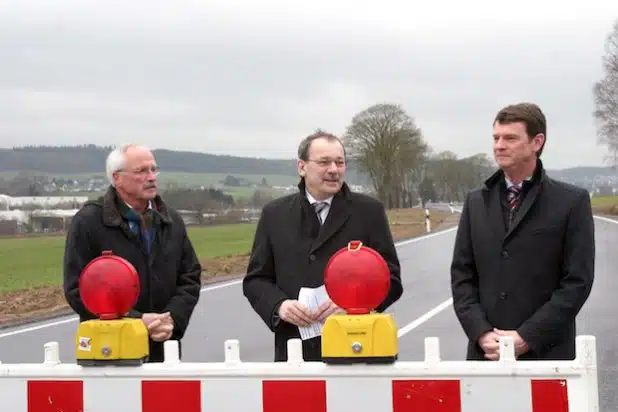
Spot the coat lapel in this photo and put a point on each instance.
(494, 212)
(337, 216)
(520, 214)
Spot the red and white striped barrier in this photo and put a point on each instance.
(298, 386)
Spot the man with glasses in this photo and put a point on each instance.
(296, 236)
(134, 222)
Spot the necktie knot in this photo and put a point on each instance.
(319, 207)
(513, 195)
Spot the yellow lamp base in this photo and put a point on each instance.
(369, 338)
(121, 342)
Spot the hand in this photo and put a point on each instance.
(160, 326)
(294, 312)
(490, 343)
(521, 346)
(325, 309)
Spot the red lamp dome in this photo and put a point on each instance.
(109, 286)
(357, 278)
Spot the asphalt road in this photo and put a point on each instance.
(223, 313)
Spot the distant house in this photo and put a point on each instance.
(37, 213)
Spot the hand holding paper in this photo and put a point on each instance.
(320, 306)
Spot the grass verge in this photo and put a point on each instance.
(31, 267)
(605, 205)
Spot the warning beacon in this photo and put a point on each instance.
(109, 287)
(357, 279)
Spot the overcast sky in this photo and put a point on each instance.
(252, 78)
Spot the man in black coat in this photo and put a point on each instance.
(133, 222)
(292, 246)
(523, 261)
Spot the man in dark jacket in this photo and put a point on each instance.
(292, 245)
(523, 262)
(134, 223)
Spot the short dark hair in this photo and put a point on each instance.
(528, 113)
(305, 144)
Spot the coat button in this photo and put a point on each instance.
(502, 295)
(312, 257)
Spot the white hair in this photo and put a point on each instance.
(117, 160)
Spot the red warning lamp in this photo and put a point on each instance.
(109, 286)
(357, 278)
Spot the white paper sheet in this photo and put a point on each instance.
(312, 298)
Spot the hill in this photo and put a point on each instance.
(69, 161)
(193, 168)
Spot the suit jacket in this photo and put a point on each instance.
(532, 277)
(291, 251)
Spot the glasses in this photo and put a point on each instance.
(144, 171)
(328, 162)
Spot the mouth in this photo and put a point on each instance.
(331, 181)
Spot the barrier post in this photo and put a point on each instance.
(232, 351)
(51, 354)
(427, 221)
(585, 396)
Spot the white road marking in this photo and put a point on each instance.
(424, 318)
(606, 219)
(204, 289)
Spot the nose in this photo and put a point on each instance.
(499, 143)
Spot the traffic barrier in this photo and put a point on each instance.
(431, 385)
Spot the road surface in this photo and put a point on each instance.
(424, 310)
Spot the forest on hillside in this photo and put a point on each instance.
(73, 160)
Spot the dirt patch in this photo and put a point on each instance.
(44, 302)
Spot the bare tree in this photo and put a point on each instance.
(384, 142)
(606, 97)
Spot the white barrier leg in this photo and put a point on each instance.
(232, 351)
(171, 354)
(52, 353)
(427, 221)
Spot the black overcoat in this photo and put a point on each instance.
(533, 277)
(170, 276)
(291, 251)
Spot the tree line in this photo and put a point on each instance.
(385, 143)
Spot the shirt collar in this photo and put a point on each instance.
(312, 200)
(509, 183)
(131, 207)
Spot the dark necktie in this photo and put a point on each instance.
(513, 196)
(319, 206)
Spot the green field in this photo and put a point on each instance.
(605, 204)
(36, 261)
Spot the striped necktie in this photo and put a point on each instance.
(319, 206)
(513, 196)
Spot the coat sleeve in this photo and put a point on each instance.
(78, 252)
(546, 325)
(188, 286)
(259, 284)
(381, 240)
(465, 283)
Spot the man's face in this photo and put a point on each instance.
(325, 169)
(139, 177)
(513, 147)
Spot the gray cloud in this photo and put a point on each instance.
(252, 80)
